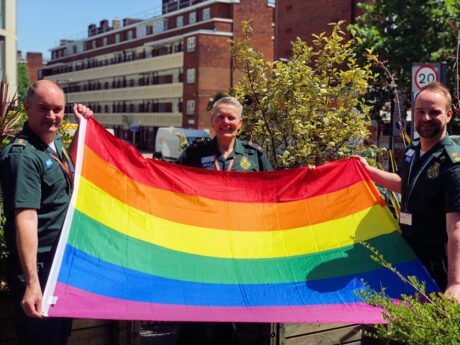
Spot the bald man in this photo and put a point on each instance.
(36, 174)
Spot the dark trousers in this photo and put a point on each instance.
(33, 331)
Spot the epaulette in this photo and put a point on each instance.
(453, 152)
(200, 142)
(19, 144)
(254, 146)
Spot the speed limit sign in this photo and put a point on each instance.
(424, 74)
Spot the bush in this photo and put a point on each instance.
(417, 319)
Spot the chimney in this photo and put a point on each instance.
(116, 23)
(104, 25)
(92, 30)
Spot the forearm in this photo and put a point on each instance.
(27, 243)
(388, 180)
(453, 254)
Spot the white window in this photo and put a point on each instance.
(190, 76)
(130, 35)
(206, 13)
(94, 44)
(179, 21)
(105, 41)
(191, 107)
(192, 18)
(191, 44)
(117, 38)
(191, 121)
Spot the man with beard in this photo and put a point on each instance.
(429, 181)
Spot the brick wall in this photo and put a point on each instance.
(300, 18)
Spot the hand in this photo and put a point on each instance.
(32, 301)
(453, 291)
(80, 110)
(362, 160)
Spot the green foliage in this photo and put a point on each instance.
(417, 319)
(12, 118)
(23, 82)
(310, 109)
(406, 32)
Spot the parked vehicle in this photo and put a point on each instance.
(171, 141)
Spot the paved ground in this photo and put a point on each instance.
(158, 333)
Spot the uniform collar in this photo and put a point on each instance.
(239, 148)
(35, 139)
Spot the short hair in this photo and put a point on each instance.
(33, 90)
(438, 87)
(228, 100)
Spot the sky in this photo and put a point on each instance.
(42, 23)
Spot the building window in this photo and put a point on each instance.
(105, 41)
(192, 18)
(74, 49)
(149, 29)
(179, 21)
(2, 14)
(206, 13)
(191, 44)
(129, 35)
(191, 107)
(117, 38)
(190, 76)
(94, 44)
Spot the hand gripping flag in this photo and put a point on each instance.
(148, 240)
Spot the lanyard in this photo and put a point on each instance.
(411, 183)
(230, 166)
(64, 165)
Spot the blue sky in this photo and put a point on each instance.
(42, 23)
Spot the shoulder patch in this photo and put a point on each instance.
(200, 142)
(453, 152)
(254, 146)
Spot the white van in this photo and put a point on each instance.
(171, 141)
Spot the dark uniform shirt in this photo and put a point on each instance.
(31, 178)
(245, 156)
(430, 189)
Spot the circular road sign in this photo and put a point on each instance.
(424, 75)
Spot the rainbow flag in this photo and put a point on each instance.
(149, 240)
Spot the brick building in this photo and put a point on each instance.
(141, 74)
(34, 62)
(302, 18)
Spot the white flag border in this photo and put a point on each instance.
(48, 295)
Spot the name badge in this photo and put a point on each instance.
(405, 218)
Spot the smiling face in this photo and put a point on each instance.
(431, 115)
(45, 110)
(226, 121)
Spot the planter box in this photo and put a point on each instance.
(84, 332)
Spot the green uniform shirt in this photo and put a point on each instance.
(245, 156)
(32, 179)
(430, 188)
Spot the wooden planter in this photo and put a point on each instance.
(84, 332)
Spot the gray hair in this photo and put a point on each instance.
(228, 100)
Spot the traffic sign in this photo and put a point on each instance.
(424, 74)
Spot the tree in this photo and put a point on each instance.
(310, 109)
(405, 32)
(23, 81)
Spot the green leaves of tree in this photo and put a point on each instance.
(309, 109)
